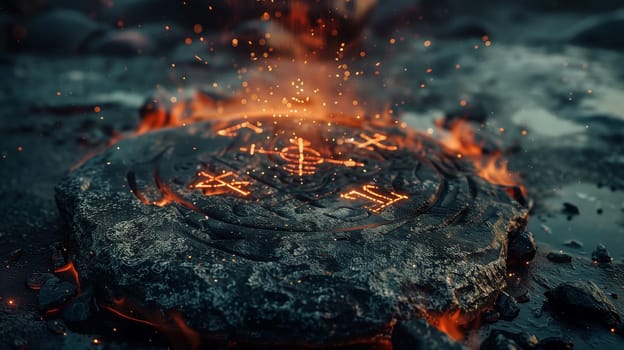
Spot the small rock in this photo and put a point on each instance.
(570, 209)
(601, 255)
(37, 279)
(15, 255)
(500, 339)
(54, 293)
(523, 298)
(490, 316)
(522, 249)
(559, 257)
(583, 300)
(507, 306)
(573, 244)
(20, 344)
(614, 295)
(79, 309)
(418, 334)
(56, 326)
(554, 343)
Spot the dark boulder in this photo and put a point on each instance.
(583, 301)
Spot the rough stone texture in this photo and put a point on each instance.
(292, 260)
(585, 301)
(55, 292)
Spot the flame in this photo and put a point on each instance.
(461, 138)
(491, 167)
(451, 323)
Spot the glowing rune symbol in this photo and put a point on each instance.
(371, 193)
(233, 130)
(212, 185)
(300, 158)
(375, 141)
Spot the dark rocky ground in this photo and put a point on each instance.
(552, 70)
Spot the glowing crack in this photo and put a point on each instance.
(371, 193)
(233, 130)
(211, 185)
(300, 158)
(370, 143)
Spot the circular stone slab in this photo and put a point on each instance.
(290, 230)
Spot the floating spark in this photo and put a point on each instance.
(370, 192)
(211, 185)
(300, 158)
(371, 142)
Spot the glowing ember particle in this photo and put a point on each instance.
(235, 42)
(392, 41)
(427, 43)
(11, 301)
(463, 103)
(188, 41)
(198, 28)
(96, 341)
(20, 148)
(97, 109)
(167, 27)
(524, 132)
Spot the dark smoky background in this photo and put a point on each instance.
(542, 80)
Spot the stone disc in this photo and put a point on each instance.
(290, 230)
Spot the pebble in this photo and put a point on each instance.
(20, 344)
(56, 326)
(490, 316)
(601, 255)
(559, 257)
(570, 209)
(522, 249)
(507, 306)
(80, 308)
(500, 339)
(54, 293)
(584, 301)
(573, 244)
(15, 255)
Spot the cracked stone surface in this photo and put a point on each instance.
(311, 235)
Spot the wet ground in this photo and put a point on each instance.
(549, 83)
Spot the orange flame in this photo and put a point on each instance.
(461, 139)
(451, 323)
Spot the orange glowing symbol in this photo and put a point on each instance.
(370, 143)
(370, 192)
(300, 158)
(211, 185)
(233, 130)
